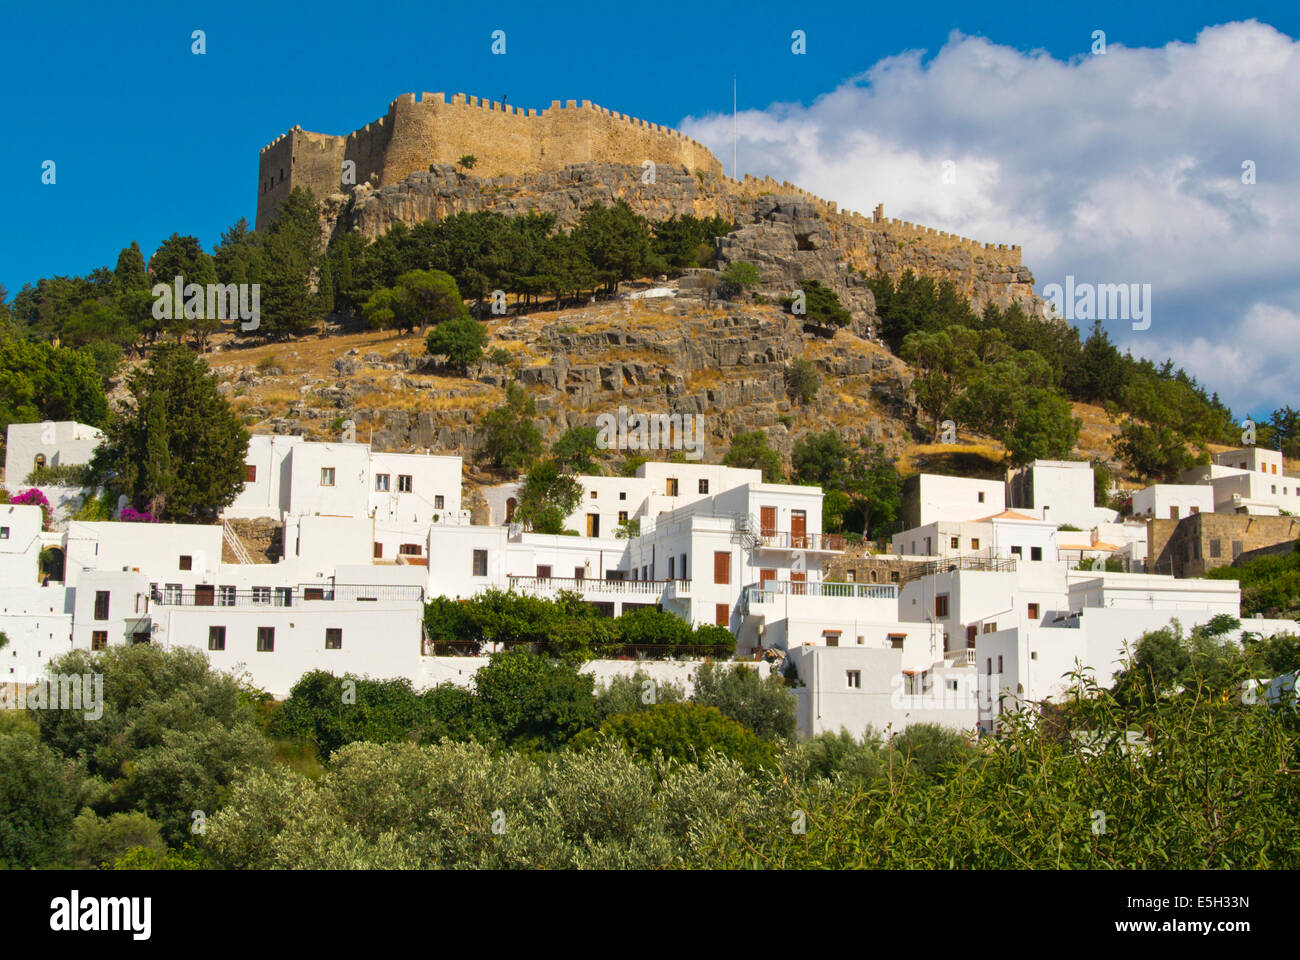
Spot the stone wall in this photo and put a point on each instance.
(1185, 547)
(505, 140)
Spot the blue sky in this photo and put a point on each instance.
(149, 138)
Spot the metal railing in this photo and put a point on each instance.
(985, 564)
(769, 590)
(225, 596)
(784, 540)
(643, 588)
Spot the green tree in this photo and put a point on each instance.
(289, 258)
(802, 381)
(944, 361)
(821, 305)
(179, 450)
(40, 792)
(426, 297)
(740, 276)
(752, 451)
(534, 701)
(1156, 451)
(549, 494)
(616, 241)
(460, 340)
(578, 450)
(508, 438)
(765, 706)
(687, 733)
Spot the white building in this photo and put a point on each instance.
(51, 443)
(1169, 501)
(928, 498)
(1060, 491)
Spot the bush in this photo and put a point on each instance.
(685, 732)
(764, 706)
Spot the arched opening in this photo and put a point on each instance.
(39, 462)
(510, 509)
(51, 564)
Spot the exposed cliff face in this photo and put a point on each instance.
(789, 236)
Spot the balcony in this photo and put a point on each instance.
(769, 591)
(811, 542)
(589, 585)
(206, 595)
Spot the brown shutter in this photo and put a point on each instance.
(721, 566)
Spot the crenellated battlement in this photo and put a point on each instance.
(506, 140)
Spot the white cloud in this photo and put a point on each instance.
(1117, 168)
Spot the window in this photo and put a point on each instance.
(622, 494)
(579, 573)
(98, 639)
(327, 476)
(1273, 488)
(405, 483)
(941, 605)
(261, 594)
(593, 494)
(974, 543)
(991, 627)
(225, 596)
(1215, 549)
(480, 563)
(893, 576)
(1033, 611)
(1236, 549)
(854, 678)
(954, 542)
(999, 666)
(704, 486)
(4, 533)
(622, 517)
(381, 482)
(672, 568)
(265, 639)
(1195, 510)
(187, 562)
(896, 640)
(333, 638)
(1033, 654)
(1035, 553)
(722, 615)
(411, 550)
(216, 638)
(683, 566)
(101, 604)
(672, 487)
(250, 473)
(1016, 552)
(981, 496)
(721, 566)
(543, 571)
(1173, 513)
(172, 593)
(850, 576)
(379, 551)
(831, 637)
(439, 501)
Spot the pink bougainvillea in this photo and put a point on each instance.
(132, 515)
(34, 498)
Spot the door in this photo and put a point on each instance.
(797, 584)
(313, 593)
(721, 567)
(767, 521)
(593, 524)
(204, 595)
(798, 529)
(971, 633)
(543, 572)
(766, 575)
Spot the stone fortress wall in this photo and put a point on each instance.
(511, 141)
